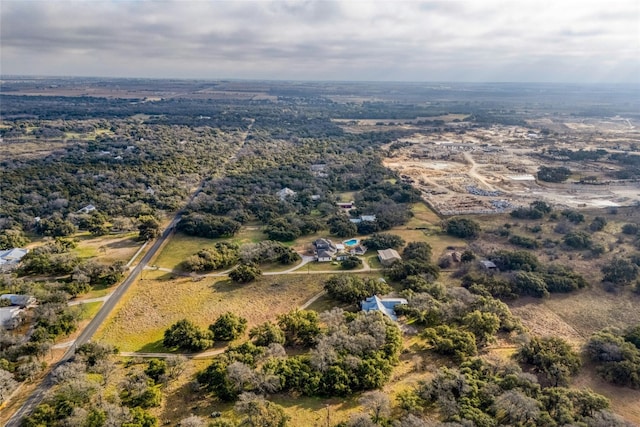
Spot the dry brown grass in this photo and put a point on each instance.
(624, 401)
(108, 249)
(157, 301)
(577, 315)
(574, 317)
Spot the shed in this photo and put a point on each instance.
(388, 256)
(488, 265)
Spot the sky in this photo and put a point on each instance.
(585, 41)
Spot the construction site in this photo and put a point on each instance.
(477, 170)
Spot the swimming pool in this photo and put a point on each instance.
(351, 242)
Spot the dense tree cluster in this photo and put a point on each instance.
(536, 210)
(552, 357)
(12, 238)
(125, 169)
(81, 396)
(489, 394)
(352, 289)
(205, 225)
(524, 275)
(291, 227)
(266, 252)
(553, 174)
(185, 335)
(383, 241)
(457, 322)
(356, 352)
(221, 255)
(464, 228)
(617, 355)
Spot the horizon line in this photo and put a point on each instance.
(221, 79)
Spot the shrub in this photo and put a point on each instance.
(450, 341)
(523, 241)
(515, 260)
(464, 228)
(551, 356)
(577, 240)
(187, 336)
(228, 326)
(383, 241)
(245, 273)
(620, 271)
(351, 262)
(353, 289)
(553, 174)
(266, 333)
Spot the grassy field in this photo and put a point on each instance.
(107, 249)
(89, 310)
(157, 301)
(181, 246)
(323, 266)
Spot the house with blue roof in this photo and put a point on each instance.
(384, 305)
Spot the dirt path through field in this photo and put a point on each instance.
(474, 174)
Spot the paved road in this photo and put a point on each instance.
(84, 337)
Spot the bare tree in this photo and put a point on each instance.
(377, 403)
(7, 384)
(69, 371)
(242, 376)
(360, 420)
(175, 366)
(260, 412)
(514, 407)
(193, 421)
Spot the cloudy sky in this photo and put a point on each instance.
(466, 40)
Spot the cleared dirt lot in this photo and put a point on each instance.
(492, 170)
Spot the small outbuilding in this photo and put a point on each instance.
(388, 256)
(488, 265)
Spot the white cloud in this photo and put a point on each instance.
(349, 40)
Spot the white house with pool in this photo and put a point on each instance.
(326, 251)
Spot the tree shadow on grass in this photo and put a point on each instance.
(227, 285)
(319, 406)
(154, 347)
(187, 400)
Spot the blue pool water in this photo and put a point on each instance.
(351, 242)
